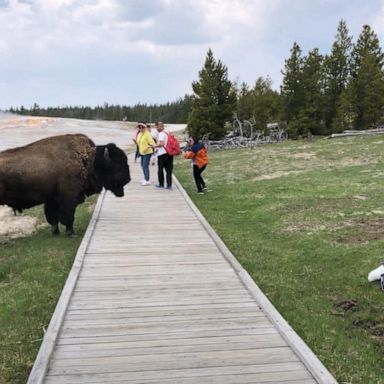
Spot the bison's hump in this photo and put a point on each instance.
(60, 142)
(72, 153)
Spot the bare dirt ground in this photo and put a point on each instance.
(16, 131)
(12, 227)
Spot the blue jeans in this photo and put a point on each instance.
(145, 159)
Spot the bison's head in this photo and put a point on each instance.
(111, 165)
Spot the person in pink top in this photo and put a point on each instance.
(134, 139)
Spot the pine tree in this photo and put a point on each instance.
(313, 91)
(245, 103)
(291, 89)
(367, 43)
(265, 103)
(367, 83)
(345, 115)
(368, 93)
(337, 74)
(213, 101)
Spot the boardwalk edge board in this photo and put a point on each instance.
(40, 366)
(309, 359)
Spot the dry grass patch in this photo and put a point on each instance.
(367, 230)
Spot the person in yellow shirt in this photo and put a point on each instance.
(146, 145)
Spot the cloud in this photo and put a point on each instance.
(116, 25)
(151, 50)
(378, 21)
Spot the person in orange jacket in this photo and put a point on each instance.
(199, 156)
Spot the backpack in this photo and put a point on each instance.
(173, 145)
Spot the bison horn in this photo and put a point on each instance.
(106, 154)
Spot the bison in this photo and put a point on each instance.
(59, 172)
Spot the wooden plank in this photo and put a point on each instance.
(156, 249)
(188, 278)
(154, 293)
(210, 250)
(113, 285)
(162, 314)
(169, 345)
(148, 258)
(223, 320)
(115, 225)
(155, 321)
(139, 238)
(161, 301)
(228, 379)
(150, 329)
(163, 282)
(172, 361)
(79, 305)
(200, 375)
(173, 308)
(168, 335)
(118, 246)
(123, 262)
(158, 269)
(113, 351)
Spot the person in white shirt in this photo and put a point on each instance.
(164, 160)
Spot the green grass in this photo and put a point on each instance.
(33, 271)
(306, 220)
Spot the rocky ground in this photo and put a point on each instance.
(12, 226)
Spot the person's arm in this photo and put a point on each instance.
(150, 142)
(189, 155)
(135, 134)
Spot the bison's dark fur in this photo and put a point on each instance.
(60, 172)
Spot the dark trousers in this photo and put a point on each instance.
(165, 162)
(200, 184)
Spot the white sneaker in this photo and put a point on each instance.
(144, 183)
(376, 273)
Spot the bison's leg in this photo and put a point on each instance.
(51, 214)
(67, 215)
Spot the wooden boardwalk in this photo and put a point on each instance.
(155, 297)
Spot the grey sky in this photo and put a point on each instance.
(72, 52)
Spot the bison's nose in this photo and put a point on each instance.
(119, 193)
